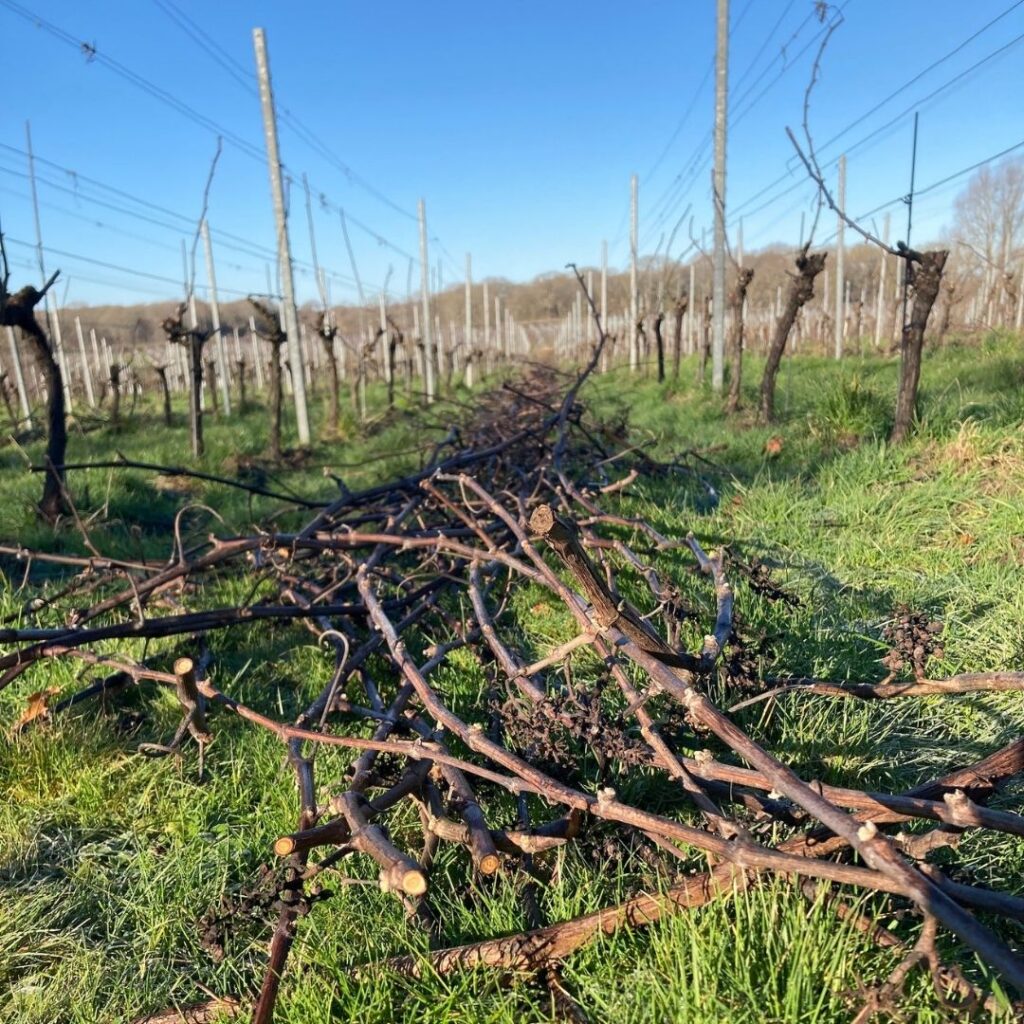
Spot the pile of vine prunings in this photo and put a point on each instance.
(399, 577)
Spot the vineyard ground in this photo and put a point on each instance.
(109, 860)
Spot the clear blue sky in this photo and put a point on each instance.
(519, 124)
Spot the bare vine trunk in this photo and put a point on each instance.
(115, 392)
(677, 334)
(195, 397)
(705, 341)
(352, 363)
(947, 311)
(801, 291)
(53, 502)
(5, 393)
(334, 408)
(744, 276)
(659, 341)
(19, 311)
(271, 330)
(241, 385)
(211, 380)
(641, 344)
(927, 281)
(392, 346)
(449, 360)
(276, 342)
(161, 373)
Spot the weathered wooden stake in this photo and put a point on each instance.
(257, 362)
(721, 117)
(291, 319)
(19, 380)
(488, 350)
(468, 332)
(428, 339)
(86, 372)
(53, 321)
(222, 361)
(634, 298)
(839, 322)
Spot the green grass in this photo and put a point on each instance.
(108, 859)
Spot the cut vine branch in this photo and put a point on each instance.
(410, 577)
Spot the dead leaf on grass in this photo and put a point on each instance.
(38, 707)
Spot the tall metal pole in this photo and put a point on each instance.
(291, 317)
(840, 312)
(634, 311)
(718, 281)
(222, 360)
(428, 337)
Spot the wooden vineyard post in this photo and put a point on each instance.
(497, 326)
(691, 310)
(428, 341)
(604, 303)
(880, 301)
(19, 380)
(385, 350)
(634, 310)
(291, 320)
(488, 352)
(222, 362)
(718, 277)
(53, 321)
(90, 394)
(97, 366)
(839, 322)
(257, 362)
(468, 322)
